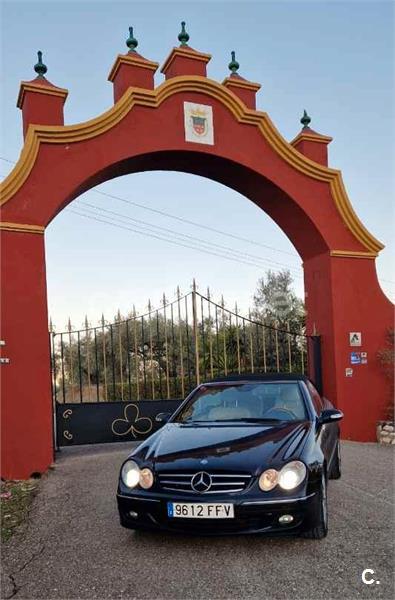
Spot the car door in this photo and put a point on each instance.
(328, 431)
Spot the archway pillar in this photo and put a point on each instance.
(341, 293)
(132, 70)
(185, 61)
(26, 420)
(313, 145)
(245, 90)
(41, 102)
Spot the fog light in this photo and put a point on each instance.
(133, 514)
(285, 519)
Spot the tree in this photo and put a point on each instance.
(282, 313)
(275, 300)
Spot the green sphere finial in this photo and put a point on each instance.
(233, 65)
(183, 36)
(131, 42)
(39, 67)
(305, 120)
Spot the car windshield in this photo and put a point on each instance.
(247, 402)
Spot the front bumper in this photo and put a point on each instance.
(251, 515)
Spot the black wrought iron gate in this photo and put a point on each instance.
(110, 381)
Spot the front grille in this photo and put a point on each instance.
(220, 483)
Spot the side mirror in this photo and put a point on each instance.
(330, 416)
(162, 417)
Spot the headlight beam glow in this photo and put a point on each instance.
(292, 475)
(130, 474)
(288, 478)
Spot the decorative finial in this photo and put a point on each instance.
(131, 42)
(183, 36)
(233, 65)
(305, 120)
(39, 67)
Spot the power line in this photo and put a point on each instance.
(183, 235)
(108, 221)
(229, 257)
(184, 220)
(176, 243)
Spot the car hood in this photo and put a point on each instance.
(230, 447)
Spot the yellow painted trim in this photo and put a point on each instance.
(352, 254)
(185, 53)
(235, 82)
(55, 134)
(127, 59)
(21, 227)
(311, 137)
(27, 86)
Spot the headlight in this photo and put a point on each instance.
(146, 478)
(130, 474)
(292, 475)
(268, 480)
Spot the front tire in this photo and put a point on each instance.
(336, 470)
(320, 527)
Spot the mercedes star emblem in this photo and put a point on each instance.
(201, 482)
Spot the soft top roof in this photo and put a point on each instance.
(259, 377)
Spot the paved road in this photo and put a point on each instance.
(73, 546)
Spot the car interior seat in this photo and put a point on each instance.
(229, 412)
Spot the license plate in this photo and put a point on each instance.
(200, 511)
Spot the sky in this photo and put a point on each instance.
(336, 59)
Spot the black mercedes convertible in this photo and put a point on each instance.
(242, 454)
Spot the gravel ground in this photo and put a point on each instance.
(73, 546)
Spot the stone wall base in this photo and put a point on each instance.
(385, 432)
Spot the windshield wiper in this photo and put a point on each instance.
(236, 420)
(240, 420)
(260, 420)
(189, 421)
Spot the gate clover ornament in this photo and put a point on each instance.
(128, 423)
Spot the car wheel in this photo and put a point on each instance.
(320, 528)
(336, 470)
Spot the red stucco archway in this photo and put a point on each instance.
(144, 130)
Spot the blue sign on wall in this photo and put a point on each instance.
(355, 358)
